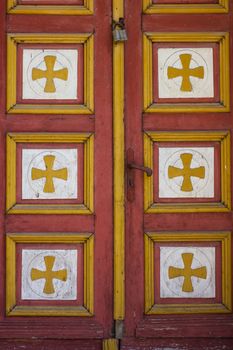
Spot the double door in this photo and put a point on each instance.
(116, 224)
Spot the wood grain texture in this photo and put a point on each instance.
(100, 222)
(51, 344)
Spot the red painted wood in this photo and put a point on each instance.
(79, 330)
(61, 223)
(69, 328)
(192, 221)
(177, 344)
(134, 210)
(50, 24)
(52, 344)
(141, 332)
(181, 23)
(75, 123)
(158, 331)
(186, 327)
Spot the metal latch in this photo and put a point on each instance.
(119, 31)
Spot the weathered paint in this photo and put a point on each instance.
(171, 31)
(186, 172)
(185, 72)
(48, 178)
(176, 278)
(100, 325)
(98, 317)
(49, 274)
(50, 74)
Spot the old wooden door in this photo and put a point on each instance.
(57, 127)
(116, 205)
(179, 220)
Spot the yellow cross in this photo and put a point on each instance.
(49, 174)
(50, 73)
(186, 72)
(49, 275)
(186, 172)
(187, 272)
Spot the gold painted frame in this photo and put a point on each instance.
(150, 8)
(86, 9)
(223, 137)
(118, 169)
(87, 207)
(88, 42)
(110, 344)
(223, 237)
(12, 309)
(221, 38)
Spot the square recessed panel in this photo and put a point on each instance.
(187, 272)
(49, 173)
(49, 274)
(190, 171)
(186, 172)
(50, 74)
(185, 72)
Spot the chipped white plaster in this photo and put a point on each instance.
(172, 187)
(64, 158)
(202, 257)
(64, 260)
(171, 88)
(65, 89)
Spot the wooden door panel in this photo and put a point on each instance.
(176, 224)
(57, 227)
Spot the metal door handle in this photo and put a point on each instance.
(147, 170)
(130, 165)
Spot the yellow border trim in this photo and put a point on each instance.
(221, 38)
(110, 344)
(196, 136)
(87, 139)
(86, 239)
(150, 8)
(119, 170)
(150, 238)
(86, 9)
(13, 40)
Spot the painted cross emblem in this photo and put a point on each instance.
(49, 174)
(186, 72)
(187, 272)
(49, 275)
(50, 74)
(186, 172)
